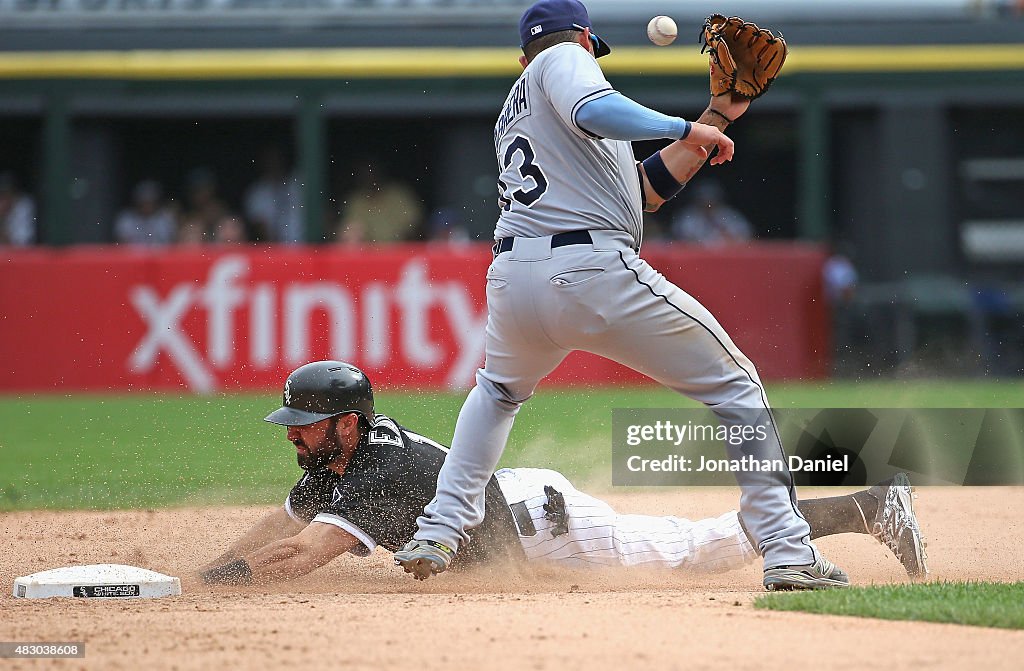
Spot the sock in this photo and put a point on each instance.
(850, 514)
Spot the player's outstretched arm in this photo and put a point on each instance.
(285, 559)
(275, 526)
(681, 160)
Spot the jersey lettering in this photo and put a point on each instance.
(384, 437)
(517, 106)
(384, 432)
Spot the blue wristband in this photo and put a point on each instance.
(660, 179)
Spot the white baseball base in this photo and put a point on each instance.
(97, 581)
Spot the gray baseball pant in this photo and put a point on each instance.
(603, 298)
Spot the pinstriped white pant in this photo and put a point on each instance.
(600, 536)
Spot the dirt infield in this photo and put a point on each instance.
(363, 613)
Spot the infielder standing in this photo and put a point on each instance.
(367, 478)
(567, 276)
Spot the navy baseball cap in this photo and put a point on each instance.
(552, 16)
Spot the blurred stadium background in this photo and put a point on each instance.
(159, 159)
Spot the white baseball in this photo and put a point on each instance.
(662, 31)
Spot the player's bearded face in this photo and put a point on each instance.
(316, 445)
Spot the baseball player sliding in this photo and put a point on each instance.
(567, 275)
(367, 479)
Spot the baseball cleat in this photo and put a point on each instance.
(822, 574)
(424, 558)
(896, 527)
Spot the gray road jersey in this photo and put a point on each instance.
(553, 175)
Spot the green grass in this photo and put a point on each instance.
(148, 450)
(979, 604)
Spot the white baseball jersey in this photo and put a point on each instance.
(553, 175)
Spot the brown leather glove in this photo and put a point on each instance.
(744, 59)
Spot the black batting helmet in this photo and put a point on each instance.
(323, 389)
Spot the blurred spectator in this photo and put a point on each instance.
(709, 220)
(229, 231)
(273, 203)
(146, 221)
(446, 226)
(17, 214)
(351, 232)
(202, 202)
(839, 279)
(385, 210)
(192, 231)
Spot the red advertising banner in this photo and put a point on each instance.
(233, 318)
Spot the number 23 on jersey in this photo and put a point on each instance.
(522, 179)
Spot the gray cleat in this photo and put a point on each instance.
(424, 558)
(822, 574)
(895, 525)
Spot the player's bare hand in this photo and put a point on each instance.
(709, 137)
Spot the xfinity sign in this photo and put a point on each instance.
(280, 317)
